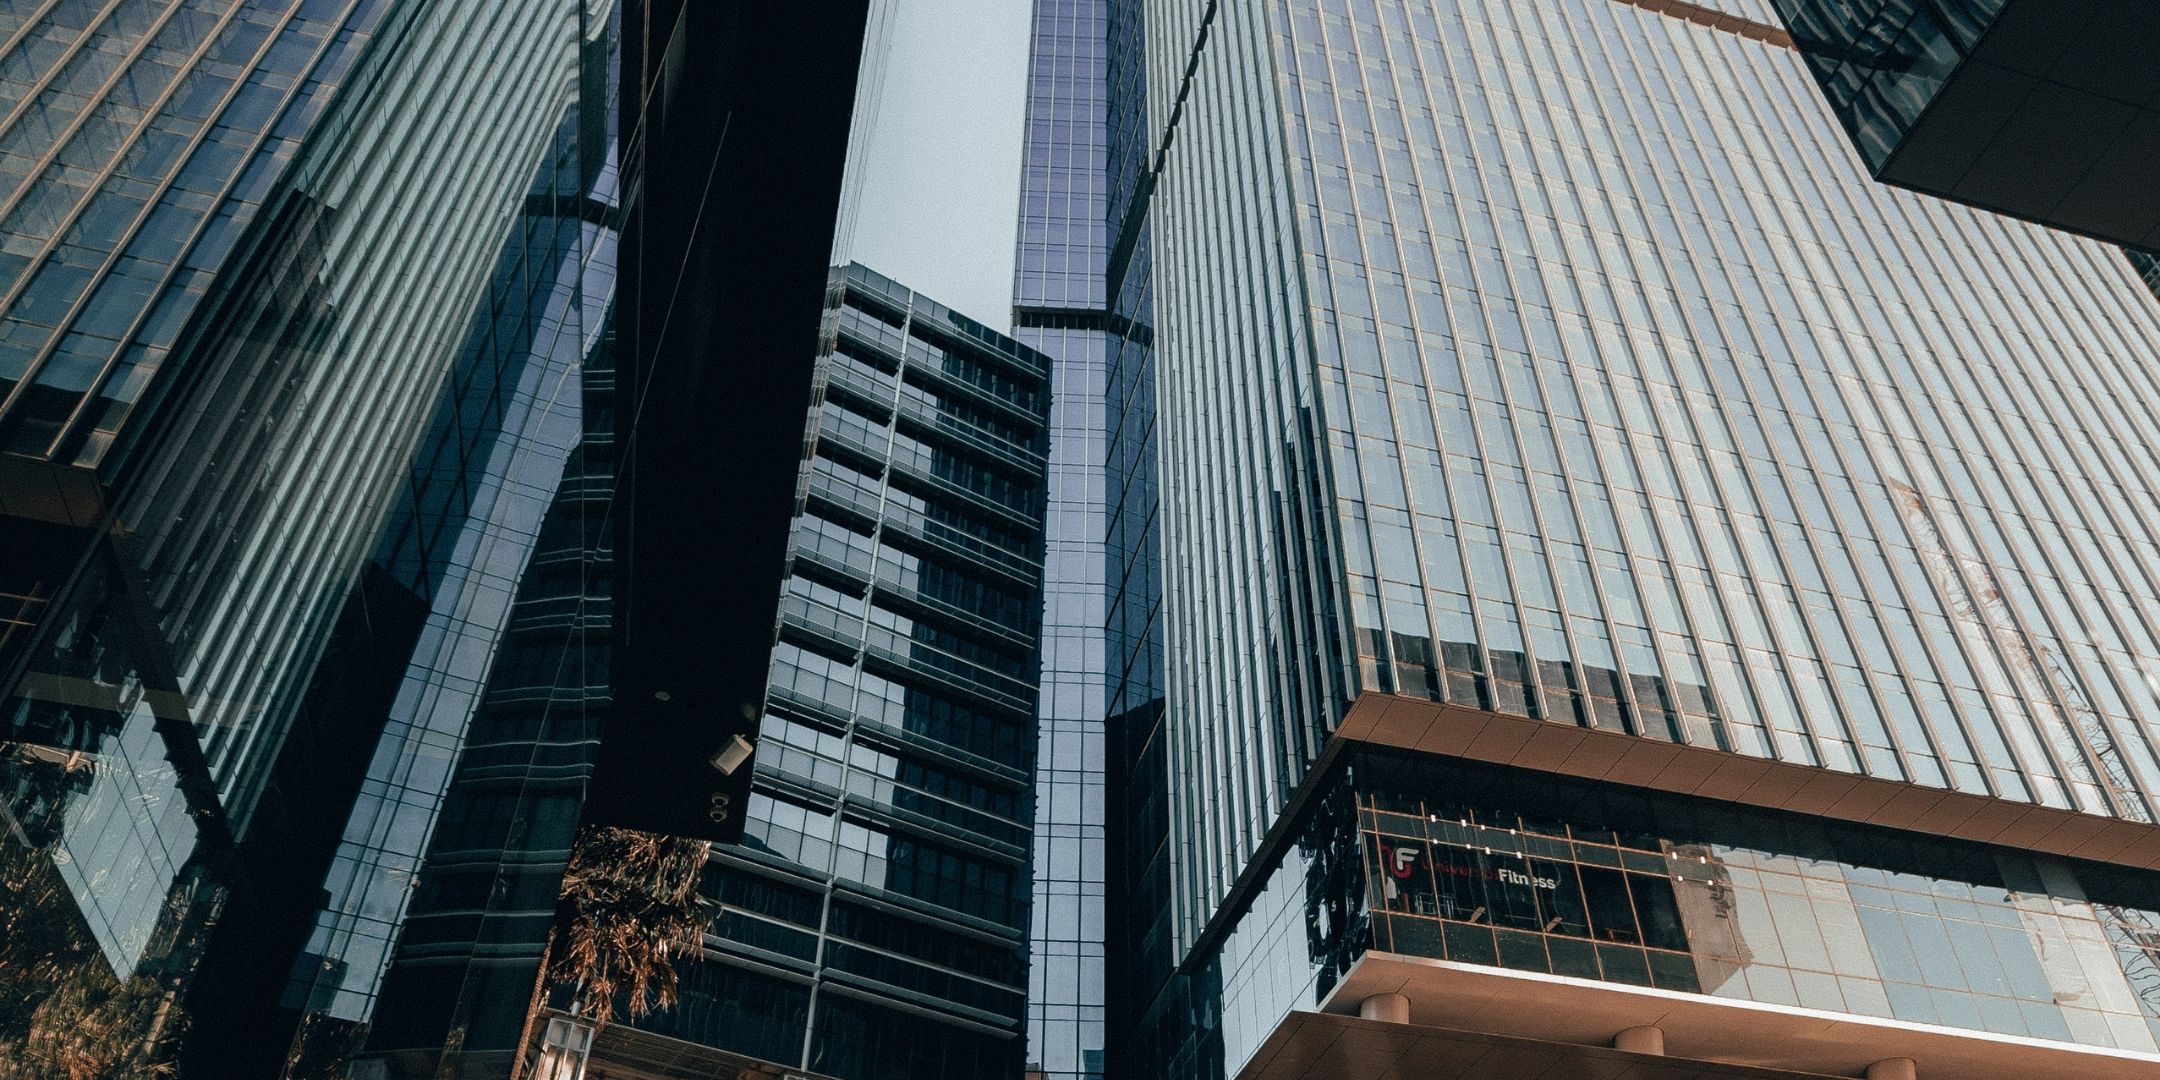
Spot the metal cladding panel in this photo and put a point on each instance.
(746, 121)
(2046, 110)
(2034, 138)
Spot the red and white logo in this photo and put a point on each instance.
(1398, 860)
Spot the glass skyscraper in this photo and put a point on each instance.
(491, 728)
(446, 879)
(494, 752)
(1580, 488)
(1060, 307)
(242, 248)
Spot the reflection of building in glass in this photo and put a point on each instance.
(873, 922)
(460, 969)
(1536, 383)
(1519, 870)
(1081, 296)
(240, 261)
(508, 590)
(1138, 948)
(638, 606)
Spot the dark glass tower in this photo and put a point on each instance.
(1625, 576)
(650, 567)
(873, 921)
(449, 938)
(240, 260)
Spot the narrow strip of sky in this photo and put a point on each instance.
(935, 171)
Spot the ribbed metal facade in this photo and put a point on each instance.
(244, 244)
(1556, 360)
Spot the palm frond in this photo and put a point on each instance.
(630, 903)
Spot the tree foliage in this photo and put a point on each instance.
(63, 1013)
(630, 904)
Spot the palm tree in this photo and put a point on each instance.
(630, 903)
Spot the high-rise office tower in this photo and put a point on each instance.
(244, 245)
(1060, 307)
(873, 922)
(491, 726)
(477, 571)
(1080, 296)
(1635, 593)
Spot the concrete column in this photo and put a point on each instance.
(1641, 1040)
(1393, 1008)
(1893, 1069)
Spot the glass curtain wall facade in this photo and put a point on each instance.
(1082, 295)
(1060, 307)
(241, 256)
(1435, 858)
(1139, 959)
(1555, 360)
(873, 922)
(424, 961)
(485, 538)
(1502, 867)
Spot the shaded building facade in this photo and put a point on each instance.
(873, 921)
(714, 234)
(1553, 432)
(225, 340)
(431, 945)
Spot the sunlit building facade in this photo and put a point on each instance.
(1579, 487)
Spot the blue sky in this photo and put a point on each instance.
(940, 171)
